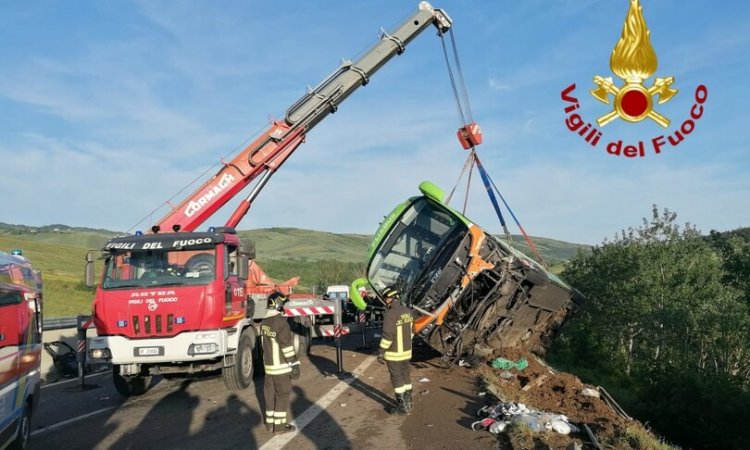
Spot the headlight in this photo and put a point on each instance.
(100, 353)
(203, 349)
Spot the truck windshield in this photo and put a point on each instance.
(148, 268)
(413, 245)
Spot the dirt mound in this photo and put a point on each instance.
(541, 388)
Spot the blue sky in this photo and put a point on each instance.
(108, 109)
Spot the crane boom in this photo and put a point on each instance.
(267, 153)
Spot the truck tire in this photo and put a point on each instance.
(240, 375)
(24, 430)
(302, 335)
(200, 262)
(129, 386)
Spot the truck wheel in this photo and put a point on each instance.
(127, 386)
(302, 336)
(202, 262)
(240, 375)
(24, 430)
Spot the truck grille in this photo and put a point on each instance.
(147, 325)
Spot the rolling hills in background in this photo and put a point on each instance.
(59, 251)
(270, 243)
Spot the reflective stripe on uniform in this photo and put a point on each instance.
(278, 370)
(396, 356)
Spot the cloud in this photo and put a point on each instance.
(103, 133)
(496, 85)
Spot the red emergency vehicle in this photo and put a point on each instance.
(20, 347)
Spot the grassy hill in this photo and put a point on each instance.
(299, 244)
(554, 252)
(319, 258)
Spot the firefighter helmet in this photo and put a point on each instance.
(276, 301)
(390, 293)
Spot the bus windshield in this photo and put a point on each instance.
(412, 245)
(149, 268)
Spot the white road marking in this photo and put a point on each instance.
(69, 421)
(306, 417)
(60, 383)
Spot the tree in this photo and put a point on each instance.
(667, 318)
(657, 296)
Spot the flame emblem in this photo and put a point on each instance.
(634, 60)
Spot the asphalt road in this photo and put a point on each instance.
(331, 410)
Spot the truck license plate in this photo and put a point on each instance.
(150, 351)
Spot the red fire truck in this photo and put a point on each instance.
(178, 300)
(20, 347)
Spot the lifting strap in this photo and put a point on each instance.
(526, 237)
(487, 186)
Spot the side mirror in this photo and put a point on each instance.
(89, 269)
(243, 268)
(246, 254)
(248, 249)
(354, 294)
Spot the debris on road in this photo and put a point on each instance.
(507, 364)
(589, 392)
(553, 408)
(496, 418)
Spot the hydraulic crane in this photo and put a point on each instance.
(176, 300)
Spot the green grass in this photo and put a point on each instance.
(295, 243)
(62, 268)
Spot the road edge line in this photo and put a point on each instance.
(69, 421)
(304, 419)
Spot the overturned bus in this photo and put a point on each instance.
(471, 292)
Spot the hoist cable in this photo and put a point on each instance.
(467, 164)
(453, 81)
(462, 103)
(462, 83)
(468, 182)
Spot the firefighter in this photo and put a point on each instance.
(395, 349)
(280, 363)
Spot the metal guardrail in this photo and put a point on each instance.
(59, 323)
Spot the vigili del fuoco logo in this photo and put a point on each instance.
(632, 100)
